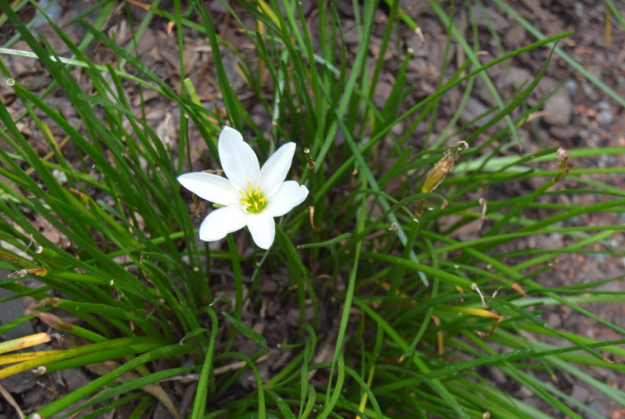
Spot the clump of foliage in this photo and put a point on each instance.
(396, 316)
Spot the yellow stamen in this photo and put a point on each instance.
(254, 201)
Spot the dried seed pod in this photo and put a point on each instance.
(53, 321)
(443, 168)
(438, 173)
(561, 163)
(562, 158)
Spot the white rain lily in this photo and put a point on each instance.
(250, 196)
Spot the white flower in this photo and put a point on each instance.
(251, 196)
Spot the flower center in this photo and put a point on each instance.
(253, 201)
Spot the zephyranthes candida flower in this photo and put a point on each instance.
(250, 196)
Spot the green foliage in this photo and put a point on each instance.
(138, 278)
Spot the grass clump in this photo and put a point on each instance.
(385, 308)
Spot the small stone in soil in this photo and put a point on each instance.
(554, 321)
(571, 86)
(606, 117)
(580, 393)
(560, 105)
(566, 132)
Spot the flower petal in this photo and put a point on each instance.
(211, 187)
(221, 222)
(288, 196)
(274, 170)
(263, 229)
(237, 159)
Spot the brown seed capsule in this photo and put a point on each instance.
(439, 172)
(562, 158)
(53, 321)
(442, 168)
(561, 163)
